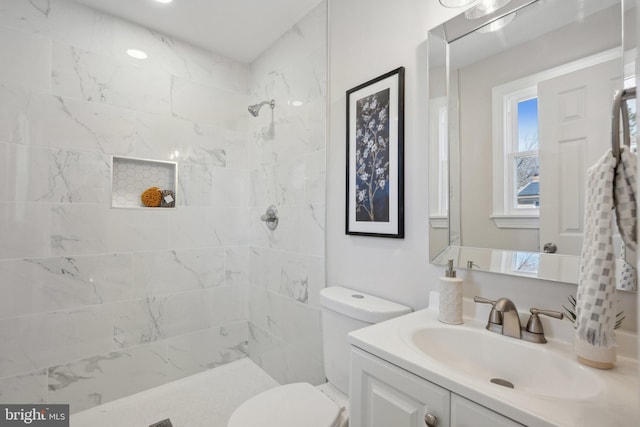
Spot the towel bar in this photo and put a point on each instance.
(619, 104)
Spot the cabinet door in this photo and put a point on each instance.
(384, 395)
(465, 413)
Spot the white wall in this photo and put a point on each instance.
(367, 39)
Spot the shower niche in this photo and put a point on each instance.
(132, 177)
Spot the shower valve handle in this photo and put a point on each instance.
(271, 217)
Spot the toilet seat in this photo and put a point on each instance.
(291, 405)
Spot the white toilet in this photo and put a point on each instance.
(301, 404)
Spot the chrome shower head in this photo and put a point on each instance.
(254, 110)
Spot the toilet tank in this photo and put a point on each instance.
(345, 310)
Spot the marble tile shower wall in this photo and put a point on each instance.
(287, 265)
(97, 303)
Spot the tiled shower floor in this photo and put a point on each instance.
(206, 399)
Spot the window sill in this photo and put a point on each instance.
(516, 221)
(438, 221)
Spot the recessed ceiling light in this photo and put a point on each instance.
(135, 53)
(164, 1)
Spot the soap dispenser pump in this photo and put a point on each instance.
(450, 305)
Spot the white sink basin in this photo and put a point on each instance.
(483, 355)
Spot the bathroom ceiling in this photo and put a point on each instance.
(238, 29)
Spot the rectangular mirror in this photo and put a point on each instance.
(520, 101)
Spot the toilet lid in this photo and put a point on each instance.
(295, 405)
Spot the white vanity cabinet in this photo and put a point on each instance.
(465, 413)
(384, 395)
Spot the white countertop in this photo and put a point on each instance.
(616, 405)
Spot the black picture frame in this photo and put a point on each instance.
(375, 157)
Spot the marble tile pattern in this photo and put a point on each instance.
(286, 266)
(96, 302)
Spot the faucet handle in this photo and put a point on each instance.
(495, 317)
(483, 300)
(550, 313)
(534, 325)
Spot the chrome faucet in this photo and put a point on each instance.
(511, 326)
(504, 319)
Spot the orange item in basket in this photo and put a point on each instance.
(152, 197)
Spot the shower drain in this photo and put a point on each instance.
(163, 423)
(503, 383)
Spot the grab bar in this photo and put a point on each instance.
(620, 104)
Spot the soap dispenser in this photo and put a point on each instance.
(450, 297)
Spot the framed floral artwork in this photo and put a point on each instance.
(375, 157)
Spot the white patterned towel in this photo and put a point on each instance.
(595, 306)
(624, 198)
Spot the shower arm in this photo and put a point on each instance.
(271, 103)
